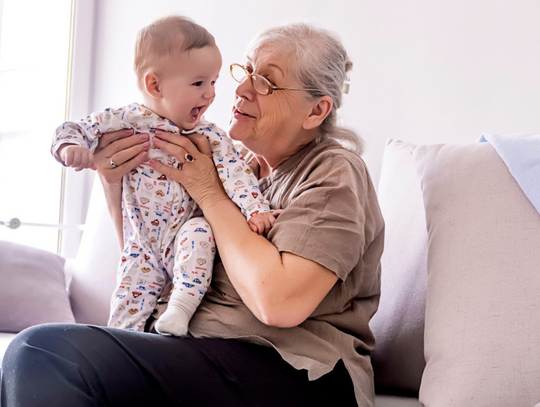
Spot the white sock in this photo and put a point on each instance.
(175, 319)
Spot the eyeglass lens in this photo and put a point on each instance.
(238, 73)
(260, 85)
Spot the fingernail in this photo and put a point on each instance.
(143, 136)
(158, 132)
(157, 140)
(129, 131)
(152, 161)
(146, 144)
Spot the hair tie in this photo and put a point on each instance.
(346, 85)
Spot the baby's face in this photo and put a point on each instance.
(188, 85)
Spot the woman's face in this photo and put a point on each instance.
(272, 122)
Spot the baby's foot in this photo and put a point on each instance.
(174, 321)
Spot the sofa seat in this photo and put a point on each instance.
(396, 401)
(5, 339)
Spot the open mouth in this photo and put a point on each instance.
(195, 112)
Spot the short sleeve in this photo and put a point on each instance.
(324, 218)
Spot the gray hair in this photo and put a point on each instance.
(321, 63)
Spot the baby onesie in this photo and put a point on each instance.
(164, 236)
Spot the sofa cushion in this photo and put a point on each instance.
(398, 325)
(95, 268)
(32, 288)
(483, 302)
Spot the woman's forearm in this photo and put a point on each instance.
(280, 289)
(113, 196)
(246, 256)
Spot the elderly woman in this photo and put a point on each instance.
(285, 322)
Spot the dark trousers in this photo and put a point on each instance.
(81, 365)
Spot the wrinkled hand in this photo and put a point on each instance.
(199, 175)
(77, 157)
(126, 149)
(262, 223)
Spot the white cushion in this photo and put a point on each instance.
(398, 325)
(32, 288)
(94, 270)
(482, 329)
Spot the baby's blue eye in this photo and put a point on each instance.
(198, 83)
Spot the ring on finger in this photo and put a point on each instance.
(113, 164)
(189, 158)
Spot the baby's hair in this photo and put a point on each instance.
(164, 37)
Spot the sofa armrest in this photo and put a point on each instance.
(92, 274)
(69, 270)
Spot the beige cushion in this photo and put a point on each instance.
(482, 334)
(95, 268)
(398, 325)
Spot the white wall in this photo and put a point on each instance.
(424, 71)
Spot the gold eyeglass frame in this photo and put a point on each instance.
(271, 87)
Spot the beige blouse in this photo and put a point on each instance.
(332, 217)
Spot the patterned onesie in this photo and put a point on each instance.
(157, 210)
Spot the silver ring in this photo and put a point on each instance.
(113, 164)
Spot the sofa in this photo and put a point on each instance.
(459, 317)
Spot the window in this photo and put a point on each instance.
(35, 42)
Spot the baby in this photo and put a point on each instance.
(165, 238)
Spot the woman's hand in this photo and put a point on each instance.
(122, 148)
(125, 150)
(196, 171)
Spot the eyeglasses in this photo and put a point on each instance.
(261, 85)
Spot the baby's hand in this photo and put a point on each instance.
(77, 157)
(261, 223)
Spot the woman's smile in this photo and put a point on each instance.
(239, 114)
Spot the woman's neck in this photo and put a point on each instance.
(269, 161)
(264, 169)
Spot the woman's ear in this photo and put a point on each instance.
(319, 111)
(152, 85)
